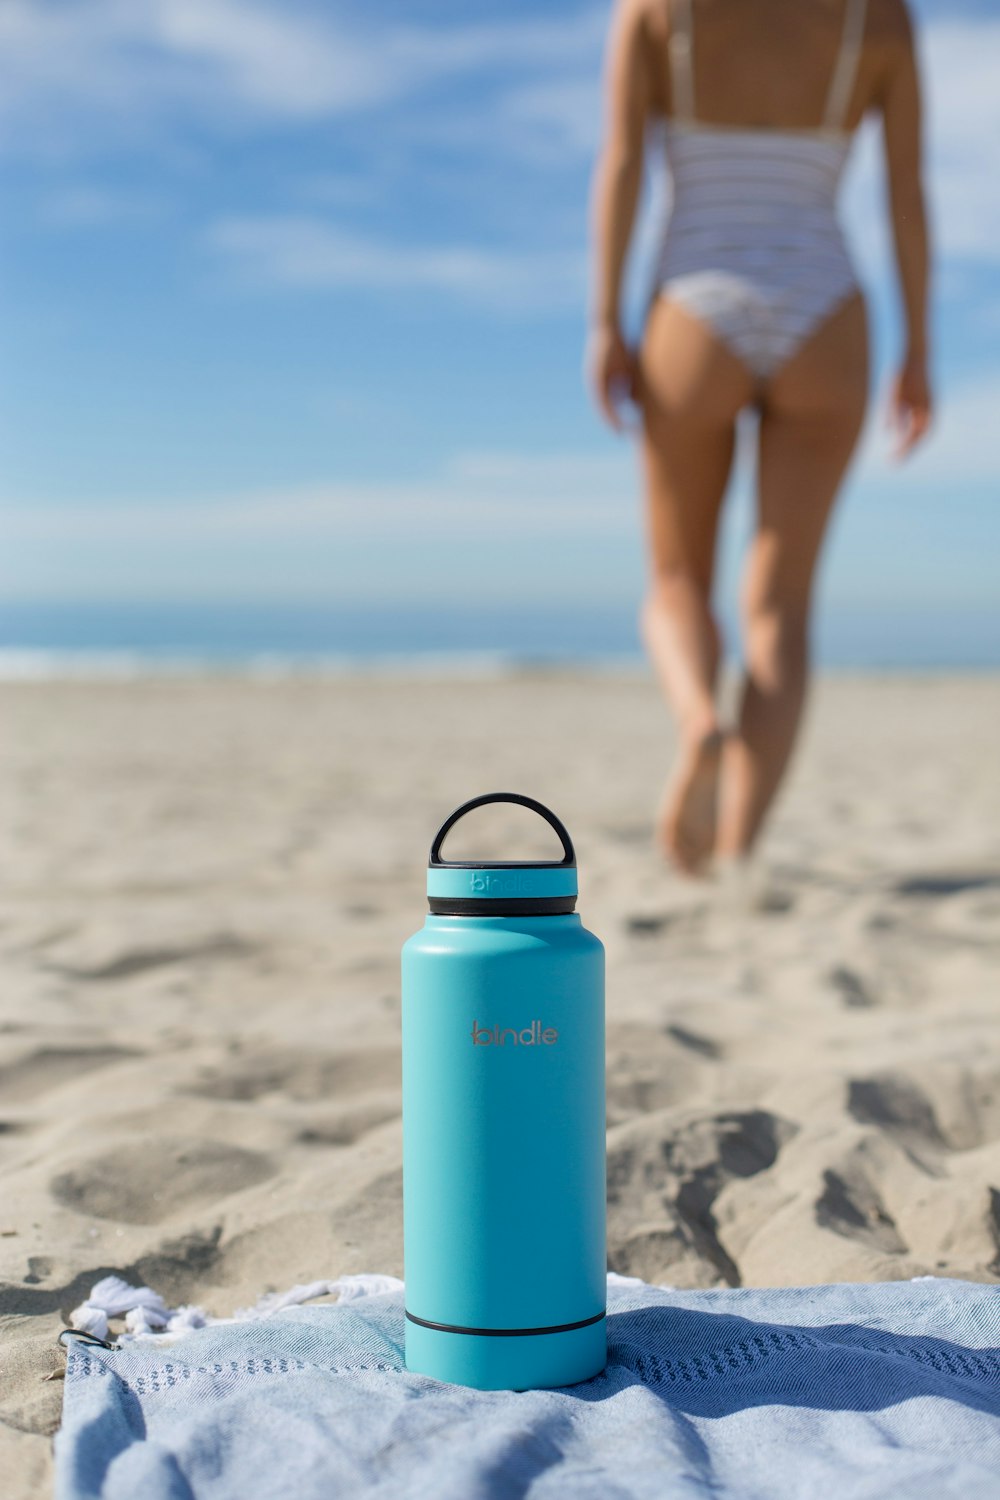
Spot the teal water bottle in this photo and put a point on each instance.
(503, 1123)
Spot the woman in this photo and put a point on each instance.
(755, 305)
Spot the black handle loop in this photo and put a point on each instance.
(569, 854)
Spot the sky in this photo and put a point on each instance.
(294, 305)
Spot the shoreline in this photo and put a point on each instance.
(54, 667)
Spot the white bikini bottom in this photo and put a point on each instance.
(763, 322)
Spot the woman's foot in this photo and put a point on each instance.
(685, 824)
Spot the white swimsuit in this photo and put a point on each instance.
(753, 245)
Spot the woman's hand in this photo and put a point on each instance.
(613, 371)
(910, 405)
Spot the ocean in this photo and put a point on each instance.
(49, 639)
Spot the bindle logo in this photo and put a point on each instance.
(535, 1035)
(510, 883)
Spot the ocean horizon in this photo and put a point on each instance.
(79, 639)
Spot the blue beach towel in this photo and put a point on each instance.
(835, 1392)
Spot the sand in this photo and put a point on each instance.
(205, 886)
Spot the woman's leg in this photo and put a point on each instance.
(809, 427)
(692, 390)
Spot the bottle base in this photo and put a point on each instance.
(493, 1362)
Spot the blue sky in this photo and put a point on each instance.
(293, 300)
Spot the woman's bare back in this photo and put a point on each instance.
(768, 63)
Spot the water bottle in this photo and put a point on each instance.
(503, 1123)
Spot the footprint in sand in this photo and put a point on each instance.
(139, 960)
(941, 884)
(346, 1126)
(953, 1109)
(364, 1224)
(896, 1105)
(665, 1173)
(854, 991)
(175, 1266)
(647, 925)
(303, 1076)
(850, 1205)
(39, 1269)
(634, 833)
(31, 1077)
(695, 1042)
(646, 1071)
(147, 1181)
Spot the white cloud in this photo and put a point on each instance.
(487, 525)
(555, 476)
(93, 206)
(538, 493)
(962, 60)
(556, 117)
(307, 252)
(70, 69)
(75, 72)
(279, 63)
(491, 525)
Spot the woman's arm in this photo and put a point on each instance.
(617, 181)
(901, 112)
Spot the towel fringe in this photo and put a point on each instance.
(147, 1316)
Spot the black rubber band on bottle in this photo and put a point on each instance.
(506, 1333)
(501, 906)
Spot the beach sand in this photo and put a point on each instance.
(205, 886)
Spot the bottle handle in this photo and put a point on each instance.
(569, 854)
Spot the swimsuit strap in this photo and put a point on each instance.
(838, 100)
(681, 50)
(681, 61)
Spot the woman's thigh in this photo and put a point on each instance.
(812, 417)
(692, 388)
